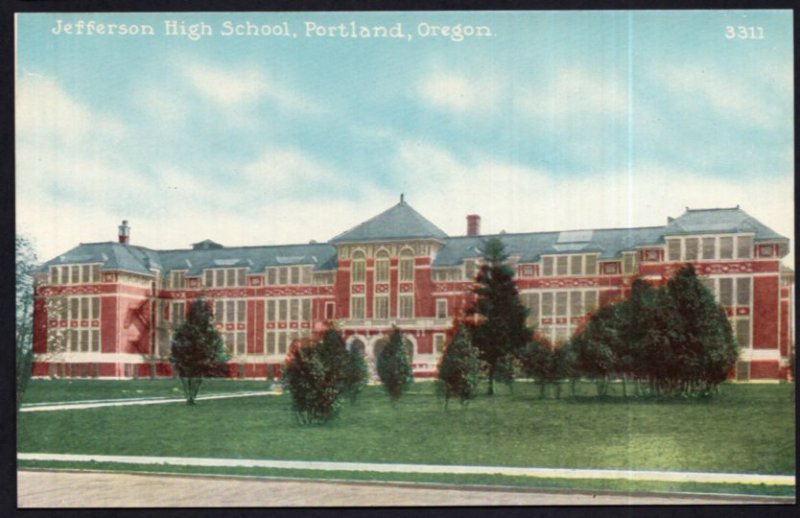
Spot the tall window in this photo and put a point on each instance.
(726, 247)
(406, 306)
(382, 266)
(406, 265)
(358, 268)
(743, 291)
(709, 248)
(381, 307)
(438, 343)
(561, 265)
(691, 248)
(357, 308)
(469, 269)
(674, 249)
(628, 263)
(441, 308)
(744, 247)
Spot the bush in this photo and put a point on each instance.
(459, 368)
(394, 368)
(314, 375)
(539, 361)
(355, 376)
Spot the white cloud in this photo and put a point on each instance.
(45, 111)
(167, 108)
(287, 168)
(574, 91)
(728, 95)
(461, 93)
(244, 86)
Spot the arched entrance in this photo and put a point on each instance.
(358, 345)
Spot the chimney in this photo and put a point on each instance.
(124, 232)
(473, 225)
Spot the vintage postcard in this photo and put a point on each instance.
(405, 258)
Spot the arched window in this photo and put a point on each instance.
(382, 266)
(358, 267)
(406, 265)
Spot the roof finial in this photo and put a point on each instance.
(401, 197)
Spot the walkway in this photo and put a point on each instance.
(67, 489)
(80, 405)
(650, 475)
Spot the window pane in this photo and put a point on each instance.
(95, 273)
(73, 340)
(295, 277)
(95, 341)
(74, 314)
(743, 332)
(382, 270)
(709, 247)
(438, 343)
(591, 265)
(305, 275)
(726, 247)
(270, 343)
(561, 265)
(382, 307)
(283, 276)
(240, 277)
(407, 269)
(282, 310)
(220, 278)
(743, 292)
(575, 265)
(306, 314)
(469, 269)
(85, 273)
(726, 291)
(95, 308)
(547, 304)
(294, 310)
(84, 309)
(358, 271)
(85, 341)
(534, 306)
(441, 309)
(230, 313)
(219, 311)
(709, 284)
(575, 304)
(282, 341)
(590, 301)
(674, 249)
(209, 278)
(241, 343)
(53, 275)
(561, 303)
(691, 251)
(240, 311)
(271, 276)
(270, 311)
(744, 247)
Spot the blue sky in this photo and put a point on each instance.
(558, 120)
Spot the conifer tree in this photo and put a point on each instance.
(500, 331)
(394, 367)
(197, 350)
(459, 368)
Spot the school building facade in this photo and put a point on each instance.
(109, 309)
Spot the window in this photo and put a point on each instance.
(743, 291)
(270, 343)
(305, 275)
(85, 272)
(295, 275)
(575, 304)
(209, 278)
(438, 343)
(469, 269)
(709, 248)
(283, 339)
(272, 276)
(381, 307)
(531, 301)
(294, 310)
(742, 329)
(358, 268)
(628, 263)
(561, 265)
(691, 248)
(75, 275)
(240, 277)
(74, 313)
(576, 265)
(357, 308)
(561, 303)
(240, 311)
(547, 267)
(95, 340)
(590, 301)
(382, 267)
(230, 277)
(674, 249)
(53, 275)
(283, 276)
(271, 311)
(406, 266)
(591, 265)
(726, 291)
(726, 247)
(744, 247)
(95, 308)
(441, 308)
(306, 310)
(406, 305)
(84, 309)
(547, 304)
(177, 279)
(178, 312)
(709, 284)
(283, 311)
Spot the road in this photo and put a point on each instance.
(45, 489)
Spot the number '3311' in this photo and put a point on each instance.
(743, 32)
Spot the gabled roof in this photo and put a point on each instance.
(398, 222)
(719, 221)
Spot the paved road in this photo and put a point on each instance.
(72, 489)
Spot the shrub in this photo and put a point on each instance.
(394, 368)
(356, 375)
(459, 368)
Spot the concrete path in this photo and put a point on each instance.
(80, 405)
(665, 476)
(41, 489)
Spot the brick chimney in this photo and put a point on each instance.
(473, 225)
(124, 232)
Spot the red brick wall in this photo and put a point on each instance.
(765, 314)
(764, 369)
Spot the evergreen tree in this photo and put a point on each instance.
(197, 350)
(597, 343)
(641, 327)
(459, 368)
(356, 375)
(538, 361)
(500, 331)
(394, 367)
(315, 375)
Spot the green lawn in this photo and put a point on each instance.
(52, 391)
(745, 428)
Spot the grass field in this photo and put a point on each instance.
(745, 428)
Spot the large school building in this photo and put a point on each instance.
(109, 309)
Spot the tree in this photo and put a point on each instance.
(704, 343)
(394, 368)
(539, 362)
(596, 345)
(25, 266)
(197, 349)
(356, 375)
(459, 368)
(316, 377)
(500, 330)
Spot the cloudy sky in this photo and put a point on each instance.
(558, 120)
